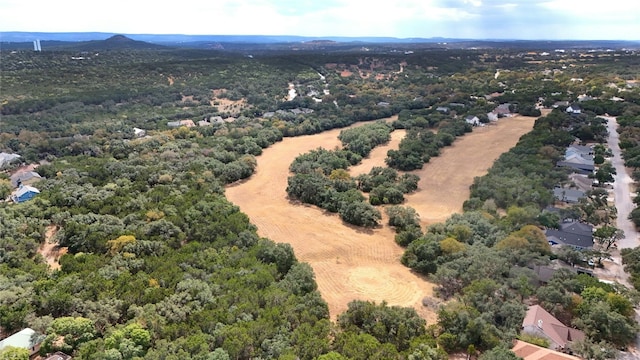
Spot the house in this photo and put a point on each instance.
(582, 182)
(560, 103)
(6, 158)
(503, 110)
(578, 164)
(25, 338)
(24, 193)
(383, 104)
(179, 123)
(538, 322)
(443, 109)
(58, 355)
(574, 109)
(572, 233)
(576, 227)
(569, 196)
(473, 120)
(204, 123)
(581, 150)
(24, 178)
(139, 132)
(492, 116)
(534, 352)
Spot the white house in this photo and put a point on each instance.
(473, 120)
(574, 109)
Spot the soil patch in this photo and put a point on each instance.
(50, 251)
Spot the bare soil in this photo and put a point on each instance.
(224, 105)
(353, 263)
(50, 251)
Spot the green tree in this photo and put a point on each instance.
(14, 353)
(607, 235)
(66, 334)
(402, 217)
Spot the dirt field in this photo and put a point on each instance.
(351, 263)
(445, 180)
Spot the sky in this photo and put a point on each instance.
(475, 19)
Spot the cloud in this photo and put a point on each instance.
(528, 19)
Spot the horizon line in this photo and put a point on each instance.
(312, 36)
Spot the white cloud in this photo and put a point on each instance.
(408, 18)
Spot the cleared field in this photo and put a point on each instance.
(349, 262)
(445, 180)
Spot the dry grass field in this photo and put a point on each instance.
(349, 262)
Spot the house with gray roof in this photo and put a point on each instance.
(24, 178)
(6, 158)
(581, 150)
(575, 234)
(574, 109)
(568, 195)
(580, 166)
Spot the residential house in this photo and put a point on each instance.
(473, 120)
(538, 322)
(25, 338)
(582, 182)
(6, 158)
(568, 195)
(580, 164)
(25, 178)
(204, 123)
(492, 116)
(560, 103)
(58, 355)
(503, 110)
(179, 123)
(534, 352)
(546, 272)
(574, 109)
(582, 150)
(139, 132)
(24, 193)
(572, 233)
(383, 104)
(443, 109)
(585, 97)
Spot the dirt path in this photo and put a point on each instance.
(50, 251)
(352, 263)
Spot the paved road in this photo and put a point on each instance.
(622, 188)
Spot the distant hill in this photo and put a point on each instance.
(110, 41)
(116, 42)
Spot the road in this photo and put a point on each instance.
(622, 189)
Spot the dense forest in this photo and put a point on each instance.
(160, 265)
